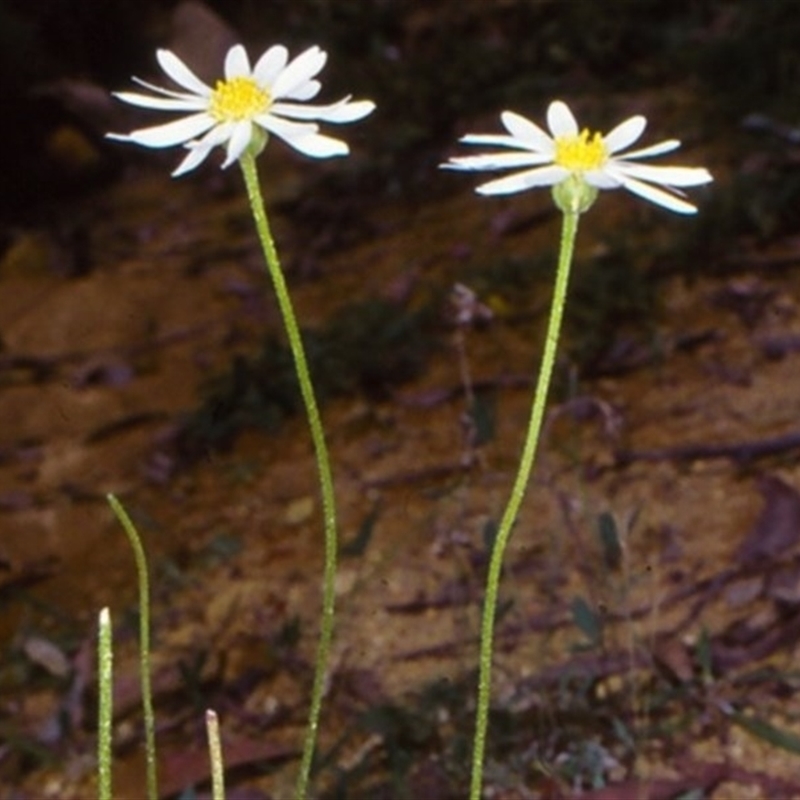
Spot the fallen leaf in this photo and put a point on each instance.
(777, 528)
(183, 767)
(744, 591)
(47, 655)
(784, 585)
(674, 659)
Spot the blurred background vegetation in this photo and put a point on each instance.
(724, 75)
(429, 65)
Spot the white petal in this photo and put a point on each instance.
(343, 111)
(659, 196)
(527, 132)
(497, 161)
(319, 146)
(626, 133)
(352, 111)
(560, 120)
(195, 157)
(180, 73)
(304, 137)
(306, 91)
(269, 66)
(240, 138)
(191, 103)
(284, 128)
(216, 136)
(666, 176)
(541, 176)
(237, 64)
(296, 111)
(203, 146)
(298, 71)
(177, 132)
(166, 92)
(494, 140)
(602, 179)
(653, 150)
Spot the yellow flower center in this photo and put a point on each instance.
(582, 152)
(238, 99)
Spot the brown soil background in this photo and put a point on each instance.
(99, 369)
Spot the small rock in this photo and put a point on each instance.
(299, 511)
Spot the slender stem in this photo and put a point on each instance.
(215, 756)
(250, 173)
(568, 233)
(144, 643)
(105, 659)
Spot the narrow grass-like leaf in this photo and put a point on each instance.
(762, 729)
(144, 643)
(587, 621)
(482, 414)
(609, 540)
(703, 654)
(489, 535)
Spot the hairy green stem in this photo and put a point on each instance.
(105, 661)
(568, 233)
(248, 165)
(144, 643)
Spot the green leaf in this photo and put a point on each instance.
(489, 535)
(624, 734)
(786, 740)
(609, 540)
(692, 794)
(703, 655)
(589, 623)
(481, 413)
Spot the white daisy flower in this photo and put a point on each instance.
(570, 152)
(244, 107)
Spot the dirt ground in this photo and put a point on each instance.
(656, 669)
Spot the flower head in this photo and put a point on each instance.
(244, 107)
(579, 160)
